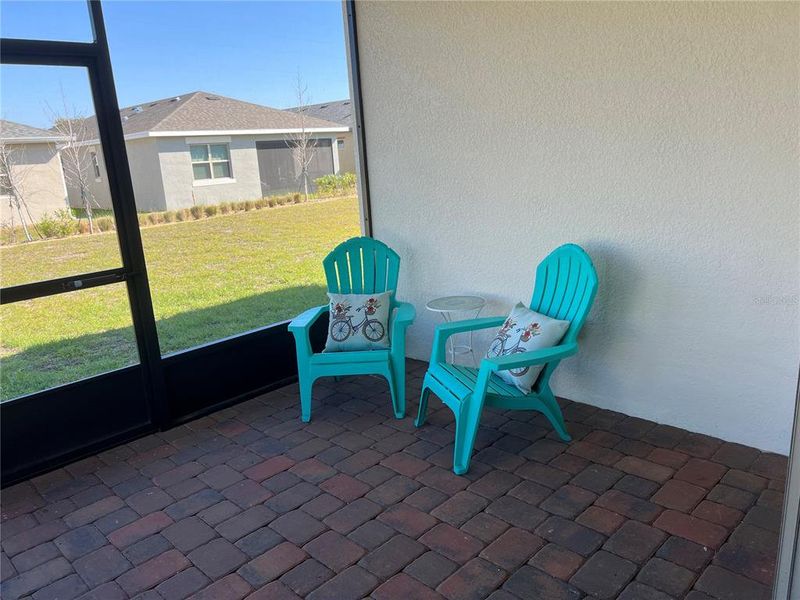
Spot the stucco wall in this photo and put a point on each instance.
(97, 187)
(662, 137)
(179, 188)
(148, 187)
(37, 171)
(145, 174)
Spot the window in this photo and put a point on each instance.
(210, 161)
(340, 144)
(95, 166)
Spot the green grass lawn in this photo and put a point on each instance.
(209, 279)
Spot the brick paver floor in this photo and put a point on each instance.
(252, 503)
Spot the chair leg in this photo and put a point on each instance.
(306, 387)
(422, 413)
(554, 415)
(399, 396)
(467, 424)
(399, 411)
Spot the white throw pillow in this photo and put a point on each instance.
(525, 330)
(358, 322)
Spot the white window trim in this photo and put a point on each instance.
(217, 181)
(210, 162)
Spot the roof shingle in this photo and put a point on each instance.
(203, 111)
(9, 130)
(338, 111)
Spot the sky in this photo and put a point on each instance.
(249, 50)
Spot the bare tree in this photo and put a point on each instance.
(302, 145)
(13, 174)
(76, 154)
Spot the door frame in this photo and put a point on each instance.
(84, 404)
(787, 566)
(48, 429)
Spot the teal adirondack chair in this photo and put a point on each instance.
(566, 283)
(361, 265)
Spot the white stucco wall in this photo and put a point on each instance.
(662, 137)
(36, 170)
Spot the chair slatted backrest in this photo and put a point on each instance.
(566, 284)
(362, 265)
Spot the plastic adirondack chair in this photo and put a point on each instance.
(361, 265)
(566, 283)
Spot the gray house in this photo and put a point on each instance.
(32, 170)
(203, 148)
(340, 112)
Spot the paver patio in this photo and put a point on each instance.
(252, 503)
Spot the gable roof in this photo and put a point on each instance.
(338, 111)
(207, 112)
(25, 134)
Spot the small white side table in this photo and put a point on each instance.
(449, 306)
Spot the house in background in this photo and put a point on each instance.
(341, 112)
(35, 168)
(203, 148)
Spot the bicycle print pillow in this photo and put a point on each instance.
(358, 322)
(525, 330)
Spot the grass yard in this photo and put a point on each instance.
(209, 279)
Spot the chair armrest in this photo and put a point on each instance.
(305, 320)
(402, 316)
(300, 327)
(532, 357)
(445, 330)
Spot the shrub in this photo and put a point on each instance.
(348, 180)
(211, 210)
(105, 223)
(331, 185)
(83, 227)
(280, 200)
(297, 198)
(260, 203)
(197, 212)
(249, 205)
(182, 215)
(224, 208)
(143, 222)
(169, 216)
(154, 218)
(240, 206)
(60, 224)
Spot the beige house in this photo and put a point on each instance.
(31, 177)
(202, 148)
(341, 112)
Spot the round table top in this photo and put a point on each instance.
(455, 303)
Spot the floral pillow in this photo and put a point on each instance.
(358, 322)
(525, 330)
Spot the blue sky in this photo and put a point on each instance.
(249, 50)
